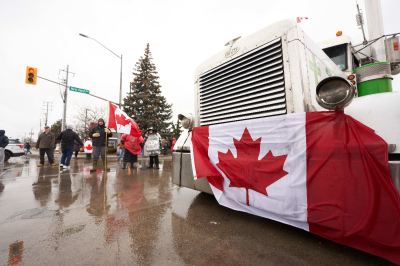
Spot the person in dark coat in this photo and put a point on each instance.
(45, 143)
(27, 147)
(3, 145)
(98, 135)
(68, 138)
(77, 148)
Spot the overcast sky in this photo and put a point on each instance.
(182, 34)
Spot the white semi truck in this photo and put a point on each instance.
(278, 70)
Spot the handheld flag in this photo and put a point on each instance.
(121, 122)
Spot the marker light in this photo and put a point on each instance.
(339, 33)
(334, 93)
(351, 77)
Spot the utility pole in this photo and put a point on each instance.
(85, 125)
(47, 110)
(64, 124)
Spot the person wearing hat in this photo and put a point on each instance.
(98, 134)
(45, 143)
(67, 138)
(154, 150)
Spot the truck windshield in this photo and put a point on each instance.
(338, 55)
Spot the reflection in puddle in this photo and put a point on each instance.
(15, 253)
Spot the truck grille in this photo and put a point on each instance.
(249, 86)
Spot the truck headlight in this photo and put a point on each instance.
(187, 121)
(334, 93)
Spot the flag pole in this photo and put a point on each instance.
(106, 148)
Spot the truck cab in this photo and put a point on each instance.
(342, 53)
(275, 71)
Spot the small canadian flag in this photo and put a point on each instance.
(300, 19)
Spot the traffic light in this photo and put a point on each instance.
(31, 75)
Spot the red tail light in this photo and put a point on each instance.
(21, 146)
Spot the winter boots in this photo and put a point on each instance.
(124, 165)
(106, 168)
(94, 167)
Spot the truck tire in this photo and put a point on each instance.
(7, 156)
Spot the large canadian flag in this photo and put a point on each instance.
(121, 122)
(324, 172)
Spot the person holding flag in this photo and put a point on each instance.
(88, 148)
(132, 149)
(100, 135)
(132, 138)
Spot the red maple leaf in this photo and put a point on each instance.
(121, 120)
(89, 147)
(246, 170)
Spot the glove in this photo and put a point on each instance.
(96, 135)
(107, 130)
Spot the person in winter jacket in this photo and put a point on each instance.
(77, 148)
(132, 149)
(88, 148)
(164, 143)
(27, 147)
(68, 138)
(121, 151)
(98, 134)
(45, 143)
(153, 157)
(173, 144)
(3, 145)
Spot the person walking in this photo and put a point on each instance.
(132, 149)
(3, 145)
(77, 148)
(52, 151)
(88, 148)
(173, 144)
(67, 138)
(121, 151)
(168, 144)
(45, 144)
(98, 134)
(153, 141)
(27, 147)
(165, 146)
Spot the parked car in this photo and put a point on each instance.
(14, 149)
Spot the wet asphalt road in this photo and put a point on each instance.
(138, 217)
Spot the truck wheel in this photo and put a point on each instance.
(7, 156)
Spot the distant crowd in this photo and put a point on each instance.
(130, 146)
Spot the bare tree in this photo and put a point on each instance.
(87, 113)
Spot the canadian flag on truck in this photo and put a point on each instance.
(300, 19)
(323, 172)
(121, 122)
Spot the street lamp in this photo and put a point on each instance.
(120, 57)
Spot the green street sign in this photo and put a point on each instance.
(79, 90)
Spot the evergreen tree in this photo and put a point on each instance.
(56, 128)
(176, 130)
(144, 102)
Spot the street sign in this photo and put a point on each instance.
(79, 90)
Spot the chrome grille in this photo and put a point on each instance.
(249, 86)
